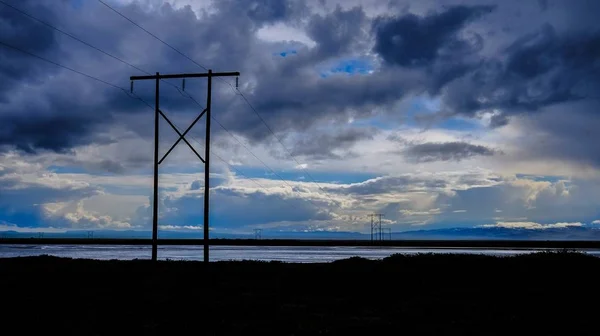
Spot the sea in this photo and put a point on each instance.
(226, 253)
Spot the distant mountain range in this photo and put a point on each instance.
(568, 233)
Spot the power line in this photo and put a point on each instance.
(108, 54)
(71, 36)
(141, 70)
(156, 37)
(149, 106)
(133, 96)
(86, 43)
(187, 95)
(240, 93)
(63, 66)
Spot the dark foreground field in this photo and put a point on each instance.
(542, 294)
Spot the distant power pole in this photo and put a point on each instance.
(157, 114)
(380, 227)
(389, 231)
(375, 226)
(371, 228)
(90, 234)
(257, 233)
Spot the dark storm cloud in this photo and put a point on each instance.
(338, 32)
(415, 41)
(270, 11)
(300, 102)
(447, 151)
(441, 51)
(27, 35)
(437, 43)
(53, 132)
(54, 109)
(44, 107)
(66, 110)
(321, 146)
(564, 132)
(290, 95)
(540, 69)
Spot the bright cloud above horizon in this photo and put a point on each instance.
(437, 113)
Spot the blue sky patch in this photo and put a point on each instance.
(458, 124)
(286, 53)
(349, 67)
(67, 170)
(299, 175)
(539, 178)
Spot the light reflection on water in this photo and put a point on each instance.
(220, 253)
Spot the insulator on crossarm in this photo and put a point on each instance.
(131, 87)
(237, 82)
(183, 85)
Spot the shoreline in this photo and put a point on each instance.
(310, 254)
(408, 243)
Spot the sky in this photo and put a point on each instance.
(435, 113)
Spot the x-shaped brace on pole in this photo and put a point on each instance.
(181, 136)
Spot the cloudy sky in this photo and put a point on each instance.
(436, 113)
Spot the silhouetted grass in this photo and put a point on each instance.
(550, 293)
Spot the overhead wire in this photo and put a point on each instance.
(62, 66)
(133, 96)
(148, 32)
(187, 95)
(299, 165)
(49, 25)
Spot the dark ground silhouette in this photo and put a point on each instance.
(538, 294)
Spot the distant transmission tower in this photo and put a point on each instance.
(257, 233)
(376, 228)
(90, 234)
(389, 231)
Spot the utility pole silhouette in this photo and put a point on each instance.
(375, 226)
(389, 231)
(206, 160)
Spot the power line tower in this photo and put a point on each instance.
(389, 231)
(257, 233)
(206, 160)
(376, 227)
(90, 234)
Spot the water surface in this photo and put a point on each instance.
(219, 253)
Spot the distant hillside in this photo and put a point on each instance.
(569, 233)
